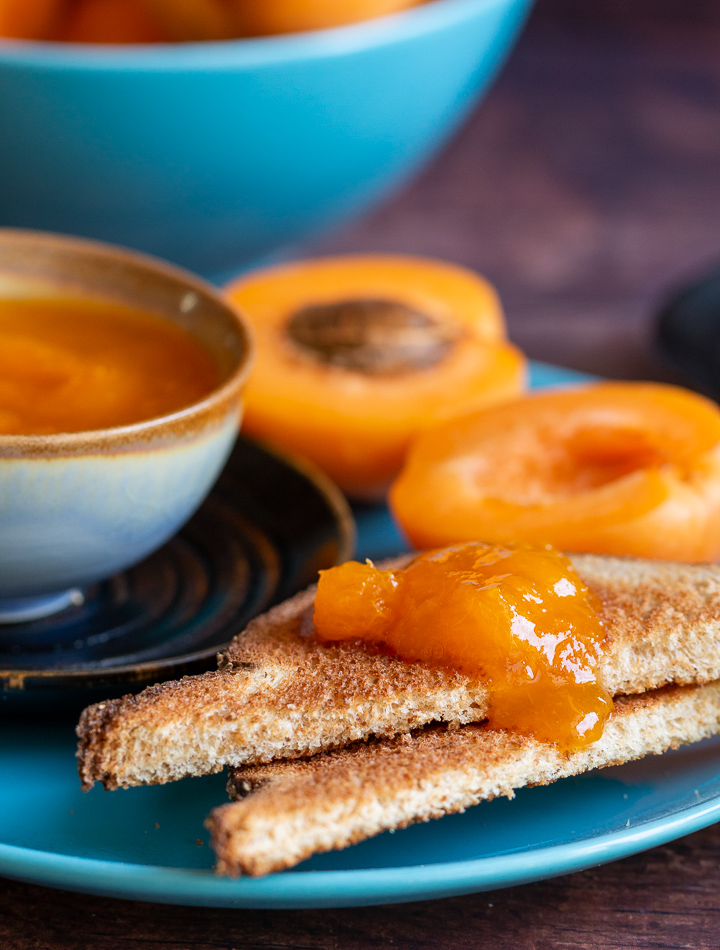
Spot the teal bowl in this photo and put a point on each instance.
(214, 155)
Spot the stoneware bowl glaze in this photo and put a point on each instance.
(215, 154)
(76, 508)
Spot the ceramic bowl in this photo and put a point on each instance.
(76, 508)
(215, 154)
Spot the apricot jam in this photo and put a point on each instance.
(518, 617)
(74, 365)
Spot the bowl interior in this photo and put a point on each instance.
(33, 264)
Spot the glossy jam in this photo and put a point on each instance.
(519, 617)
(78, 365)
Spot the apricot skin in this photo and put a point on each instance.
(614, 468)
(199, 20)
(110, 21)
(151, 21)
(29, 19)
(264, 17)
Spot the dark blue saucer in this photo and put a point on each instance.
(266, 529)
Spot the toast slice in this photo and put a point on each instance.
(287, 811)
(280, 694)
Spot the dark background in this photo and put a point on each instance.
(585, 186)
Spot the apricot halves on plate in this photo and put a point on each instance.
(615, 468)
(356, 355)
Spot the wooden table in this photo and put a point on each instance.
(584, 187)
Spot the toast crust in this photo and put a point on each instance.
(278, 693)
(286, 811)
(281, 694)
(662, 621)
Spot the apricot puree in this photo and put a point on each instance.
(78, 365)
(615, 468)
(356, 355)
(515, 616)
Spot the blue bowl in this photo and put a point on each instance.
(213, 155)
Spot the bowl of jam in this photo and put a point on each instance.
(120, 400)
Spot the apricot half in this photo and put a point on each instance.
(263, 17)
(29, 19)
(150, 21)
(356, 355)
(110, 21)
(184, 20)
(616, 468)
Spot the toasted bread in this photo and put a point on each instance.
(281, 694)
(287, 811)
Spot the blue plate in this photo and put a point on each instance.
(149, 843)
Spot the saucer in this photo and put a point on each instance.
(263, 533)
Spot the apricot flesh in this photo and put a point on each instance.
(264, 17)
(615, 468)
(517, 617)
(110, 21)
(199, 20)
(152, 21)
(355, 423)
(29, 19)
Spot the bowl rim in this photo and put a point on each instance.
(88, 440)
(247, 52)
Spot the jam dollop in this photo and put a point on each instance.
(518, 617)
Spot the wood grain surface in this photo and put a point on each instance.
(667, 898)
(585, 186)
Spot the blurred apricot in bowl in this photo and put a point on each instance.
(30, 19)
(612, 468)
(108, 21)
(292, 16)
(194, 20)
(166, 21)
